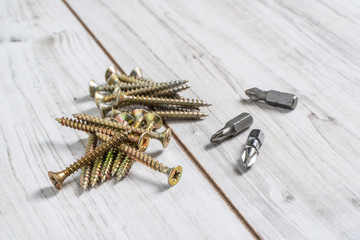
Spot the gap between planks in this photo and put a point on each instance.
(190, 155)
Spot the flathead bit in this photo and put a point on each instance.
(251, 150)
(233, 127)
(272, 97)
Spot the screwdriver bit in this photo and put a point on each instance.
(272, 97)
(233, 127)
(251, 150)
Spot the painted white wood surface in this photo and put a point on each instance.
(305, 184)
(47, 59)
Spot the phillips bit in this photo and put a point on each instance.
(272, 97)
(251, 150)
(233, 127)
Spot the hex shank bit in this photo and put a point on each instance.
(233, 127)
(272, 97)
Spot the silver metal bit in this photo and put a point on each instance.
(233, 127)
(251, 150)
(272, 97)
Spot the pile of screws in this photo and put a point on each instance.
(126, 133)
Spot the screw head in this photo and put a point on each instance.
(57, 178)
(124, 118)
(104, 108)
(155, 118)
(113, 79)
(110, 70)
(165, 137)
(137, 72)
(143, 142)
(93, 87)
(139, 113)
(175, 175)
(120, 96)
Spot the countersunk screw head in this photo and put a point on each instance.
(120, 96)
(93, 87)
(137, 72)
(104, 108)
(110, 70)
(57, 178)
(143, 143)
(154, 120)
(165, 137)
(124, 118)
(175, 175)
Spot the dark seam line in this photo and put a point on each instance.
(190, 155)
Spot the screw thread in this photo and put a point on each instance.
(137, 155)
(95, 172)
(154, 88)
(149, 100)
(131, 79)
(86, 170)
(105, 170)
(170, 91)
(96, 120)
(91, 156)
(118, 160)
(181, 114)
(124, 168)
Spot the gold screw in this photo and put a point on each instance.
(142, 140)
(57, 178)
(164, 137)
(174, 174)
(148, 100)
(96, 169)
(181, 114)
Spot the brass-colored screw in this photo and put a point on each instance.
(139, 117)
(124, 168)
(181, 114)
(86, 170)
(169, 92)
(174, 174)
(142, 140)
(148, 100)
(164, 137)
(110, 71)
(105, 170)
(57, 178)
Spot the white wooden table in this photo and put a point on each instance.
(306, 183)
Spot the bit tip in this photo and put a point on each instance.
(218, 136)
(255, 94)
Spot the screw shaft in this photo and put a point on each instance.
(86, 170)
(180, 114)
(124, 168)
(148, 100)
(105, 170)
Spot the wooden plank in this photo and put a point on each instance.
(47, 59)
(306, 182)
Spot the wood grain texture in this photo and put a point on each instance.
(47, 59)
(306, 182)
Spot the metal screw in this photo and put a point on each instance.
(181, 114)
(136, 72)
(164, 137)
(142, 140)
(96, 169)
(57, 178)
(174, 174)
(124, 168)
(148, 100)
